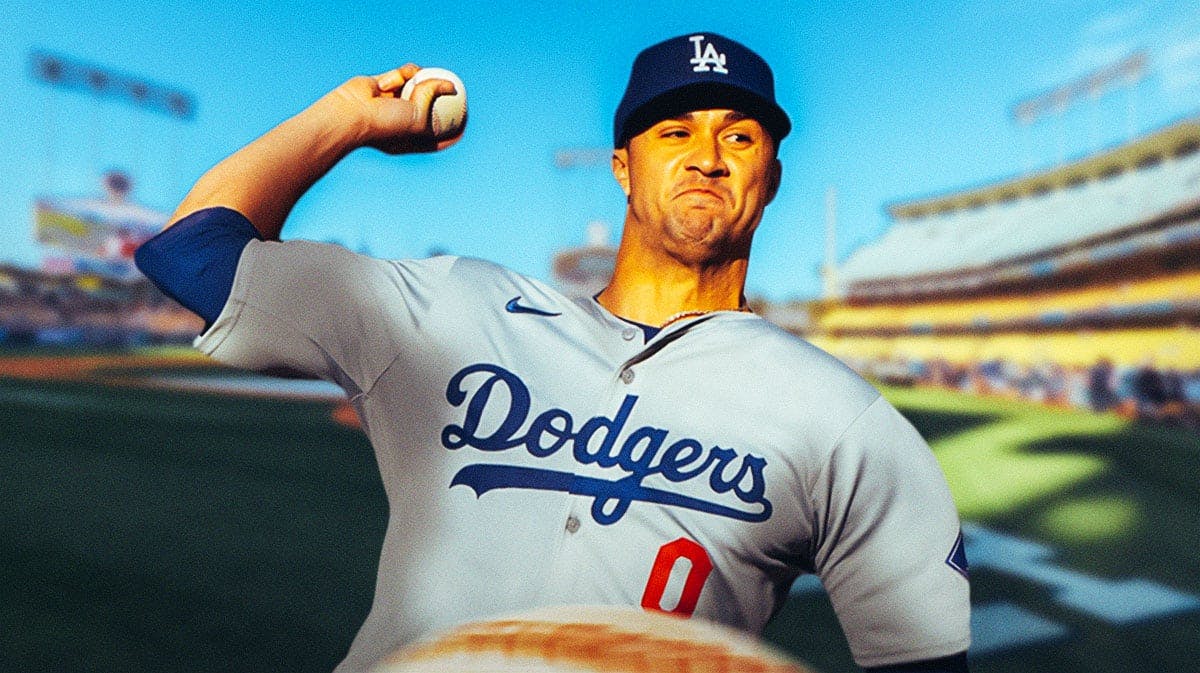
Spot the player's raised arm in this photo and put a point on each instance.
(249, 194)
(266, 178)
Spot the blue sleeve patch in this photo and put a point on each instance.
(193, 261)
(958, 557)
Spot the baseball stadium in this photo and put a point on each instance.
(1078, 286)
(162, 512)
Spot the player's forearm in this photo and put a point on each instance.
(266, 178)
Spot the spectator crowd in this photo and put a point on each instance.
(1145, 391)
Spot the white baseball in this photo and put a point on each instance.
(449, 113)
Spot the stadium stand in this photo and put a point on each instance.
(1078, 285)
(1118, 300)
(87, 291)
(1030, 225)
(40, 308)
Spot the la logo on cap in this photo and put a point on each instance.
(707, 57)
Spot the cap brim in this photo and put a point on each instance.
(706, 96)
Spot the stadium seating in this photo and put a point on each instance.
(1164, 347)
(1164, 293)
(1000, 231)
(1078, 286)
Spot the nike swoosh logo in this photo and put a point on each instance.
(513, 307)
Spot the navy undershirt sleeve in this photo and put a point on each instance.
(194, 260)
(955, 663)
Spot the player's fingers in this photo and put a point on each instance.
(422, 100)
(393, 79)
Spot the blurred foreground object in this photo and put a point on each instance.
(580, 639)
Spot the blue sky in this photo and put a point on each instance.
(890, 101)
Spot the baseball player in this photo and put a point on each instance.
(656, 445)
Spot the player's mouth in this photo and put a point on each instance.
(698, 192)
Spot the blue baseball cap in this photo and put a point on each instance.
(698, 71)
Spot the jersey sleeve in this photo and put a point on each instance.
(300, 308)
(194, 261)
(887, 544)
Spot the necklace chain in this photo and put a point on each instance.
(695, 313)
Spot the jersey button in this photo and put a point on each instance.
(572, 524)
(627, 376)
(629, 333)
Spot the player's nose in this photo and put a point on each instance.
(706, 156)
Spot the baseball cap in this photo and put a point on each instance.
(697, 71)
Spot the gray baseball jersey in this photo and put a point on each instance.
(537, 450)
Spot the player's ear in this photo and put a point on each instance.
(620, 168)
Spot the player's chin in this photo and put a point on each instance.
(701, 227)
(713, 245)
(691, 220)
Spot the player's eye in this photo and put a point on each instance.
(673, 133)
(740, 138)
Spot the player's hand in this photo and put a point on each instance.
(384, 120)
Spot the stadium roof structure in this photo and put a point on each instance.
(1180, 139)
(1108, 204)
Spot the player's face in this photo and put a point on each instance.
(697, 184)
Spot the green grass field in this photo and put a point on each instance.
(146, 530)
